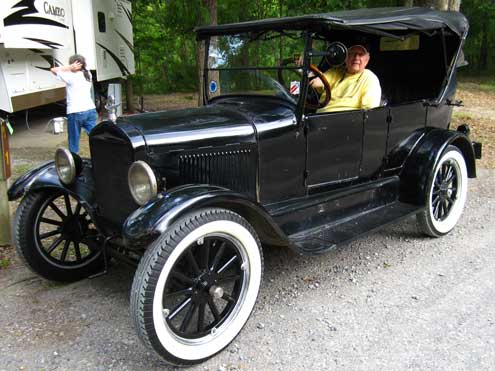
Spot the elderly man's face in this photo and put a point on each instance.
(357, 60)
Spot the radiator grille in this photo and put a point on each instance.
(235, 170)
(111, 161)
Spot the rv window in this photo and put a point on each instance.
(102, 27)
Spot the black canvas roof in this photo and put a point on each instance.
(372, 20)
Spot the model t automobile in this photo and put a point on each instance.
(192, 196)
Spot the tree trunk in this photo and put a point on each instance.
(437, 4)
(425, 3)
(211, 6)
(484, 45)
(281, 45)
(200, 60)
(441, 4)
(454, 5)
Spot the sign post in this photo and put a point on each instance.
(4, 175)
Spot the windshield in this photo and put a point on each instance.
(255, 63)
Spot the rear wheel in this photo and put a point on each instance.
(56, 237)
(196, 286)
(446, 196)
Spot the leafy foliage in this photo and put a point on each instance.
(166, 48)
(479, 49)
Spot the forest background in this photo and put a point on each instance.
(167, 53)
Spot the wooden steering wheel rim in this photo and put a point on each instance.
(326, 87)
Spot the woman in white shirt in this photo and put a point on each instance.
(81, 110)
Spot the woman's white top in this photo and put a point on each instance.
(78, 91)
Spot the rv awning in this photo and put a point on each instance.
(373, 20)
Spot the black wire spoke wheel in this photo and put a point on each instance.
(204, 287)
(56, 237)
(447, 192)
(197, 285)
(65, 234)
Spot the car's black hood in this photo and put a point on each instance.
(191, 128)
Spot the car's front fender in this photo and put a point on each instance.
(45, 177)
(148, 222)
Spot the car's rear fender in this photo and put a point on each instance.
(423, 157)
(148, 222)
(45, 177)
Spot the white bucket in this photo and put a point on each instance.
(57, 124)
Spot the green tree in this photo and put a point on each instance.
(480, 44)
(167, 55)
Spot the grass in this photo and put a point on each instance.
(4, 263)
(18, 170)
(485, 86)
(481, 82)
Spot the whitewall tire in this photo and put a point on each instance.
(196, 286)
(447, 193)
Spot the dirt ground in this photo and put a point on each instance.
(479, 112)
(168, 102)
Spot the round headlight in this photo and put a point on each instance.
(142, 182)
(65, 166)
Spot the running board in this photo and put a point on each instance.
(327, 237)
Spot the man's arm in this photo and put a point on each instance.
(316, 82)
(372, 93)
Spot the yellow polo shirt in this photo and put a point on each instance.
(351, 92)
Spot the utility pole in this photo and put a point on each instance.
(4, 175)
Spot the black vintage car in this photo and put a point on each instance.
(192, 196)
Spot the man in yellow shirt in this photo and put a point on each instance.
(353, 87)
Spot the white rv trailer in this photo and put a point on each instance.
(38, 34)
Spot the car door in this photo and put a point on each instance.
(334, 147)
(405, 122)
(375, 131)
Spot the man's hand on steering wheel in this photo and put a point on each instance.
(313, 84)
(313, 97)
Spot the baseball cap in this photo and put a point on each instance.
(359, 47)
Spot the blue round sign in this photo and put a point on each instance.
(213, 86)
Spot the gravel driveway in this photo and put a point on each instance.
(394, 300)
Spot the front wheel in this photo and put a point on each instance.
(56, 237)
(196, 286)
(446, 196)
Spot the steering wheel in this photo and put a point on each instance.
(313, 98)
